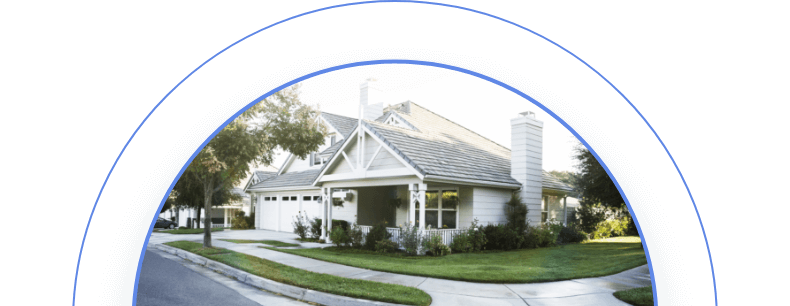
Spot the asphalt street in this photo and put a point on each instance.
(167, 282)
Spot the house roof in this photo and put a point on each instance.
(442, 147)
(344, 125)
(240, 192)
(289, 179)
(332, 149)
(263, 175)
(552, 182)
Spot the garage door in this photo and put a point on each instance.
(289, 207)
(311, 205)
(269, 213)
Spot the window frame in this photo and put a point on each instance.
(440, 207)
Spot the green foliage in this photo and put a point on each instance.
(516, 213)
(410, 239)
(339, 236)
(386, 246)
(434, 246)
(376, 234)
(642, 296)
(571, 234)
(301, 225)
(241, 222)
(471, 240)
(502, 237)
(356, 236)
(539, 237)
(594, 183)
(315, 228)
(589, 216)
(609, 228)
(394, 203)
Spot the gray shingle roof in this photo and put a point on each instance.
(332, 149)
(240, 192)
(442, 147)
(290, 179)
(552, 182)
(344, 125)
(263, 175)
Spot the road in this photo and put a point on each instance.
(172, 281)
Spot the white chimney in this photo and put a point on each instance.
(526, 161)
(371, 100)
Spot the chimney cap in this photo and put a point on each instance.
(527, 114)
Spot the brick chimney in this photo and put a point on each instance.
(526, 161)
(371, 100)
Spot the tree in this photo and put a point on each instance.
(188, 193)
(593, 182)
(516, 213)
(569, 178)
(281, 120)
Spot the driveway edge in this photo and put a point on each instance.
(294, 292)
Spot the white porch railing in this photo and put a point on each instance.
(446, 234)
(217, 225)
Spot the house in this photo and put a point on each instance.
(440, 172)
(221, 216)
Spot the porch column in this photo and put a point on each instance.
(565, 209)
(225, 216)
(417, 196)
(329, 214)
(326, 197)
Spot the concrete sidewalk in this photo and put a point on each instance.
(588, 291)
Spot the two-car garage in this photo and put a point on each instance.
(277, 211)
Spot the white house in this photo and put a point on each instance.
(442, 172)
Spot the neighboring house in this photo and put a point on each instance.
(442, 172)
(221, 216)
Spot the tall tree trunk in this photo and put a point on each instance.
(198, 216)
(208, 191)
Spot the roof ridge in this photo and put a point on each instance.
(453, 122)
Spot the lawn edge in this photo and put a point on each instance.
(291, 291)
(287, 251)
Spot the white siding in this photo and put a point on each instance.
(466, 207)
(402, 213)
(489, 204)
(349, 210)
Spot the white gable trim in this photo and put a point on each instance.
(342, 149)
(402, 122)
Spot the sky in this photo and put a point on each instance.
(476, 104)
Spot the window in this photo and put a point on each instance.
(286, 199)
(332, 140)
(317, 198)
(544, 209)
(267, 198)
(306, 198)
(440, 210)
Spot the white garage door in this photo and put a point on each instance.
(289, 207)
(311, 206)
(269, 213)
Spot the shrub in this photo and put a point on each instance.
(315, 228)
(589, 216)
(410, 239)
(471, 240)
(540, 236)
(301, 226)
(516, 213)
(385, 246)
(376, 234)
(339, 236)
(502, 237)
(434, 246)
(571, 234)
(609, 228)
(241, 222)
(355, 236)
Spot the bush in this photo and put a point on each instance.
(589, 216)
(315, 226)
(502, 237)
(385, 246)
(241, 222)
(610, 228)
(516, 213)
(471, 240)
(339, 236)
(301, 226)
(355, 236)
(434, 246)
(410, 239)
(376, 234)
(571, 234)
(540, 236)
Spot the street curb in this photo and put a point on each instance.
(298, 293)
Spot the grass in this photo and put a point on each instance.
(310, 280)
(191, 230)
(269, 242)
(590, 259)
(637, 296)
(308, 239)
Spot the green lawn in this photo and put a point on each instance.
(590, 259)
(190, 230)
(637, 296)
(269, 242)
(305, 279)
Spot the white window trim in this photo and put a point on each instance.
(440, 207)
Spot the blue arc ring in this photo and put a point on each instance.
(371, 61)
